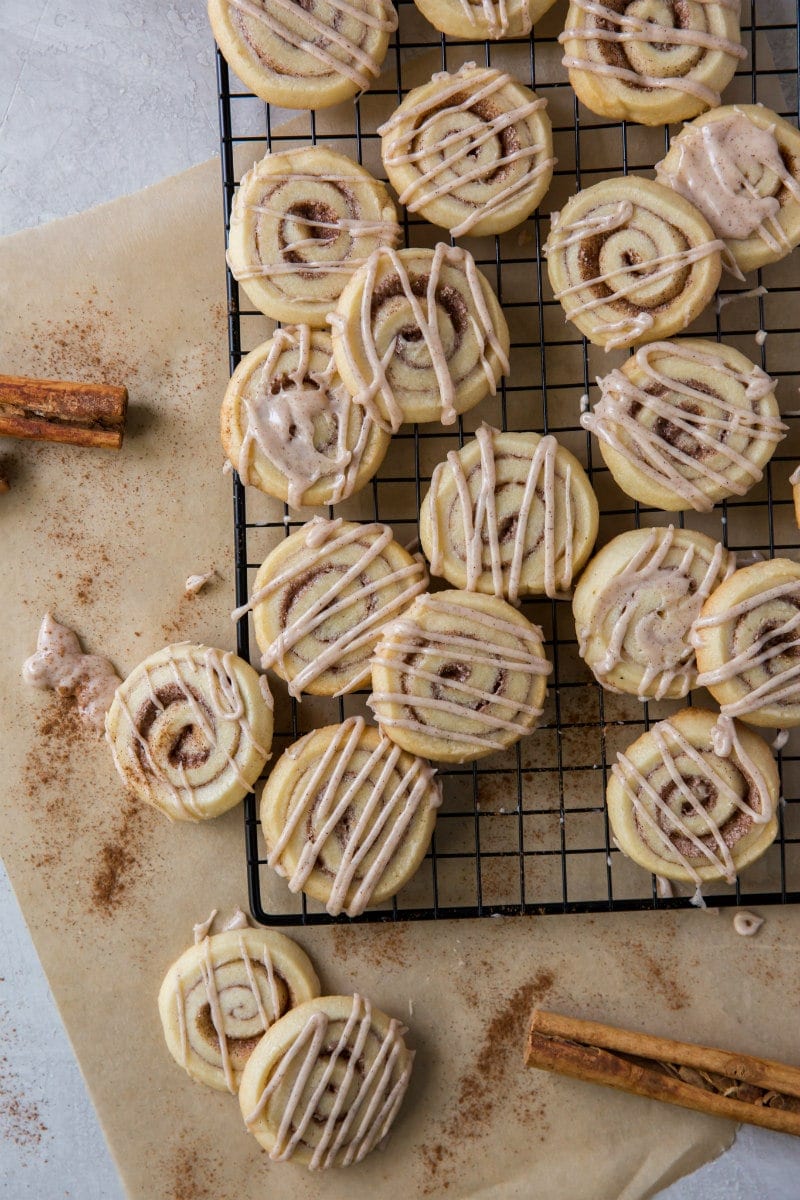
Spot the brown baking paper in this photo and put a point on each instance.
(133, 293)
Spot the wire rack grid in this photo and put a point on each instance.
(527, 831)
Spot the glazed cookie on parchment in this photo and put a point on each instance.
(635, 606)
(325, 1083)
(347, 816)
(685, 424)
(190, 730)
(304, 53)
(683, 812)
(652, 62)
(224, 992)
(632, 261)
(472, 151)
(477, 19)
(511, 514)
(303, 221)
(419, 335)
(290, 427)
(321, 598)
(459, 676)
(740, 166)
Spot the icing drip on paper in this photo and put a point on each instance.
(357, 1111)
(195, 583)
(60, 664)
(322, 805)
(697, 419)
(747, 924)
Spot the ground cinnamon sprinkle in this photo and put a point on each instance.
(20, 1119)
(117, 863)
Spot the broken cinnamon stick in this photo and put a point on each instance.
(721, 1083)
(80, 414)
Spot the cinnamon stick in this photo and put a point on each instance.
(721, 1083)
(80, 414)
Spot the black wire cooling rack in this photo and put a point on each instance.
(526, 831)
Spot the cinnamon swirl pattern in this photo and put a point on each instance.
(654, 62)
(492, 19)
(418, 335)
(683, 812)
(747, 640)
(472, 151)
(325, 1083)
(321, 598)
(308, 54)
(223, 993)
(635, 606)
(347, 816)
(303, 221)
(740, 166)
(190, 730)
(459, 676)
(632, 261)
(510, 514)
(289, 425)
(685, 424)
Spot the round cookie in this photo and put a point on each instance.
(631, 261)
(458, 677)
(303, 221)
(479, 19)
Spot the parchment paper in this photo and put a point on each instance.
(132, 293)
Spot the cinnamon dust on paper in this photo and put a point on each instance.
(20, 1120)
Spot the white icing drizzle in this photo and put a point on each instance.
(195, 583)
(340, 787)
(636, 29)
(202, 929)
(479, 519)
(60, 664)
(353, 61)
(794, 478)
(780, 739)
(425, 317)
(747, 924)
(372, 1102)
(635, 785)
(498, 17)
(732, 297)
(664, 888)
(761, 337)
(239, 920)
(703, 416)
(325, 536)
(660, 633)
(462, 143)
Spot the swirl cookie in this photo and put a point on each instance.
(631, 261)
(347, 816)
(419, 335)
(289, 425)
(459, 676)
(748, 645)
(303, 221)
(635, 606)
(479, 19)
(304, 55)
(321, 598)
(472, 152)
(325, 1083)
(510, 514)
(685, 424)
(223, 994)
(681, 811)
(740, 166)
(654, 63)
(190, 731)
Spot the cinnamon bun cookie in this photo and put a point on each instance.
(347, 816)
(304, 53)
(222, 995)
(740, 166)
(325, 1083)
(685, 424)
(419, 335)
(190, 730)
(635, 606)
(479, 19)
(632, 261)
(472, 151)
(511, 514)
(303, 221)
(289, 425)
(459, 676)
(683, 812)
(321, 598)
(651, 61)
